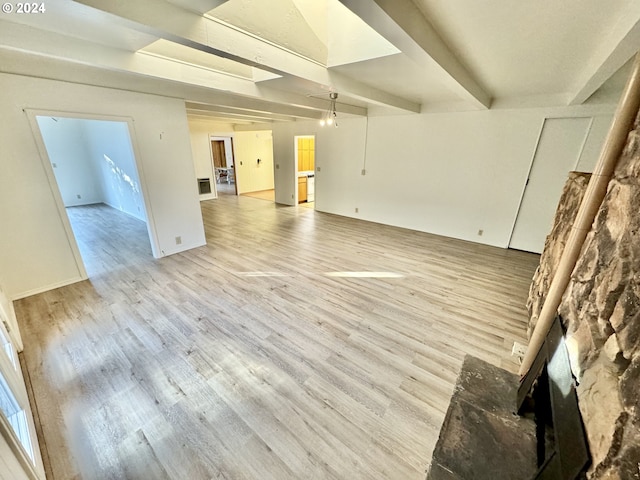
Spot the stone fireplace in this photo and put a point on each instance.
(601, 313)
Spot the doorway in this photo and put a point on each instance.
(305, 165)
(222, 156)
(93, 169)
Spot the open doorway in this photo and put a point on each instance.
(305, 165)
(95, 173)
(255, 170)
(224, 165)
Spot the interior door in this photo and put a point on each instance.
(558, 151)
(219, 154)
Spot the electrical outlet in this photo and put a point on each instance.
(518, 349)
(54, 165)
(178, 240)
(277, 166)
(79, 196)
(480, 232)
(356, 209)
(318, 169)
(364, 172)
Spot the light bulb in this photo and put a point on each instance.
(329, 121)
(322, 122)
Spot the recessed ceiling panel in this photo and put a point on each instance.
(350, 39)
(278, 21)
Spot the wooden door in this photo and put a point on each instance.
(219, 153)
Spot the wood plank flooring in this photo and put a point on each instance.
(242, 359)
(262, 194)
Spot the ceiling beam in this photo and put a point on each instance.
(240, 112)
(23, 63)
(198, 6)
(231, 117)
(21, 38)
(209, 35)
(404, 25)
(621, 43)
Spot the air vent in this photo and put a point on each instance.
(204, 186)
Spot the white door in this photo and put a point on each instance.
(557, 153)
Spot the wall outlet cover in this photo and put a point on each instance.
(518, 349)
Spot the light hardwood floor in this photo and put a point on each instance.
(198, 366)
(263, 195)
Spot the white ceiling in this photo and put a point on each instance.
(257, 60)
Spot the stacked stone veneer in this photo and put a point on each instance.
(601, 311)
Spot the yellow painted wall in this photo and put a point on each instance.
(252, 176)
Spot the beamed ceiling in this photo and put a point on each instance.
(245, 61)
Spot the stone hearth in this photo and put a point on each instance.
(482, 438)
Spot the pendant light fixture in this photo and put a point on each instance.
(330, 117)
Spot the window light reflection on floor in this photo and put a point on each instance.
(327, 274)
(261, 274)
(364, 274)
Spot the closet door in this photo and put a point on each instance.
(557, 153)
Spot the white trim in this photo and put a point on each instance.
(46, 288)
(15, 381)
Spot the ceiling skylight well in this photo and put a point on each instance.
(322, 30)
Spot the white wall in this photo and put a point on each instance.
(35, 250)
(111, 152)
(93, 163)
(451, 174)
(250, 146)
(76, 174)
(200, 132)
(284, 158)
